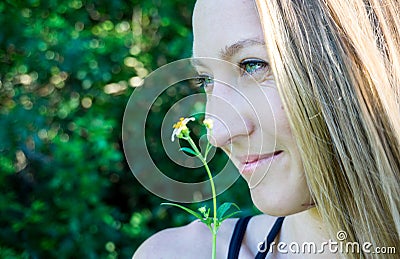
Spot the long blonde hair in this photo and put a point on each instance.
(337, 67)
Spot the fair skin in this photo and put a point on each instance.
(250, 125)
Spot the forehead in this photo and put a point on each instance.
(218, 24)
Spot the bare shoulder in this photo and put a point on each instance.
(194, 240)
(189, 241)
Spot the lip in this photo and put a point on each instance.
(250, 163)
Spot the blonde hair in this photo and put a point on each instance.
(337, 67)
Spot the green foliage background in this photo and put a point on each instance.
(67, 71)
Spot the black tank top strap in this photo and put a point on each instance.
(237, 237)
(264, 249)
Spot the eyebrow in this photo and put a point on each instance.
(229, 51)
(233, 49)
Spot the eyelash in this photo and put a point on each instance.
(205, 80)
(262, 66)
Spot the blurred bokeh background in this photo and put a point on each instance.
(67, 71)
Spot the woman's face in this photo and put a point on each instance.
(250, 124)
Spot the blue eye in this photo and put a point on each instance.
(204, 81)
(253, 66)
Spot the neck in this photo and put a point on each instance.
(306, 226)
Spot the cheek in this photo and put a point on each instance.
(278, 114)
(282, 123)
(284, 190)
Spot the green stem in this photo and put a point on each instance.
(214, 195)
(214, 244)
(207, 150)
(193, 145)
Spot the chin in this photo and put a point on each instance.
(275, 206)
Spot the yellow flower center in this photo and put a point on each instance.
(179, 124)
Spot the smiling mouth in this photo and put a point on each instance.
(248, 164)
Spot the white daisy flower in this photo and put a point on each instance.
(180, 128)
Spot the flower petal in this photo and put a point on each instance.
(186, 120)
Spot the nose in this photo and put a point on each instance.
(228, 108)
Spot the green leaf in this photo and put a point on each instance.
(197, 215)
(188, 150)
(224, 208)
(229, 216)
